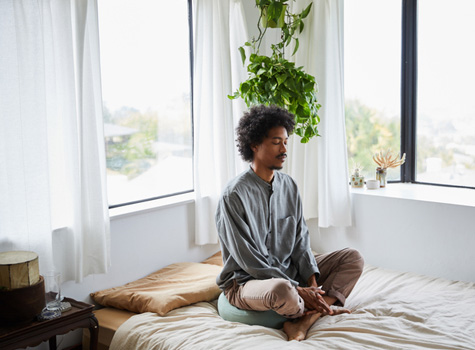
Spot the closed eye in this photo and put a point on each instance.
(279, 142)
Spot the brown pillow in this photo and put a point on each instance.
(169, 288)
(215, 259)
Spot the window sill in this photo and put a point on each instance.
(419, 192)
(143, 207)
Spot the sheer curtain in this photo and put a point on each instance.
(320, 167)
(219, 31)
(52, 163)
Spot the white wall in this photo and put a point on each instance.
(145, 242)
(421, 236)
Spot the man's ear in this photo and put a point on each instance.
(254, 147)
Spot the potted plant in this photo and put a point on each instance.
(275, 80)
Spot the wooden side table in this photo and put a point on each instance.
(32, 334)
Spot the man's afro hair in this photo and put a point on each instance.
(255, 124)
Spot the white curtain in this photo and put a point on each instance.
(52, 163)
(320, 167)
(219, 31)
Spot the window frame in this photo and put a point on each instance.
(409, 94)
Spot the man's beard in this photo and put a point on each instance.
(274, 167)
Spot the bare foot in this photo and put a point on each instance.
(297, 330)
(293, 331)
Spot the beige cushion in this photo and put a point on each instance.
(173, 286)
(215, 259)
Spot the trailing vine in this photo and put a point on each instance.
(273, 80)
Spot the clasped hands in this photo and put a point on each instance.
(314, 301)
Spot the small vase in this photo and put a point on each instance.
(357, 181)
(381, 176)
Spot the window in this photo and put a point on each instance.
(424, 109)
(445, 102)
(372, 82)
(146, 88)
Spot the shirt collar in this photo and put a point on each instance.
(275, 180)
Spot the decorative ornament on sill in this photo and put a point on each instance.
(357, 180)
(385, 161)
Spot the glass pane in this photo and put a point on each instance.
(446, 90)
(147, 98)
(372, 82)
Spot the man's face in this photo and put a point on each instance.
(272, 151)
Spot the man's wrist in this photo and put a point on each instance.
(312, 281)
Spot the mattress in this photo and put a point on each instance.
(390, 310)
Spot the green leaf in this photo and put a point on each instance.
(253, 67)
(243, 55)
(290, 84)
(274, 10)
(296, 46)
(307, 87)
(268, 86)
(285, 100)
(305, 12)
(261, 71)
(288, 41)
(309, 131)
(245, 87)
(281, 78)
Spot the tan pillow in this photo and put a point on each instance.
(215, 259)
(169, 288)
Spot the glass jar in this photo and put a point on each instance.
(381, 176)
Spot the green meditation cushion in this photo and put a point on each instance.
(231, 313)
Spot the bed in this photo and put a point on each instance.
(390, 310)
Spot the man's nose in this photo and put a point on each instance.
(283, 148)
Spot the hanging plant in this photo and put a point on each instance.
(273, 80)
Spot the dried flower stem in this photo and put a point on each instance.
(388, 160)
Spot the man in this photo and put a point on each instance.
(268, 263)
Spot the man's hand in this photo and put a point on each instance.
(314, 302)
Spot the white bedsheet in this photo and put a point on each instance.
(390, 310)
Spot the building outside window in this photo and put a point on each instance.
(146, 88)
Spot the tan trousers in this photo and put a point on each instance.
(339, 272)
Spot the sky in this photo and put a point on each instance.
(446, 56)
(143, 43)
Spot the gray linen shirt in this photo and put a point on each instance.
(262, 231)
